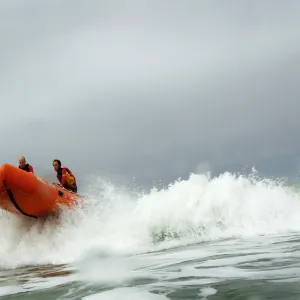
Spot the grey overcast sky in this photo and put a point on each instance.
(154, 89)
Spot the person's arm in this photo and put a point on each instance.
(31, 169)
(63, 177)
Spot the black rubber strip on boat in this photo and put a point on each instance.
(12, 199)
(14, 202)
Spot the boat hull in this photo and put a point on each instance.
(24, 193)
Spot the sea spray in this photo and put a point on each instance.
(188, 211)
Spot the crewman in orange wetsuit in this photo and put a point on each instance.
(65, 176)
(24, 166)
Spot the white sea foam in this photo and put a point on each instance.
(188, 211)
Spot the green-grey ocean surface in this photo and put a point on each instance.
(226, 238)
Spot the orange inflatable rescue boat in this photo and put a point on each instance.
(24, 193)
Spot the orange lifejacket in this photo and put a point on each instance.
(28, 168)
(66, 177)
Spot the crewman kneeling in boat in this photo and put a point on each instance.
(65, 176)
(24, 166)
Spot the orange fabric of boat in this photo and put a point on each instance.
(33, 195)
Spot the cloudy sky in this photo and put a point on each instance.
(153, 89)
